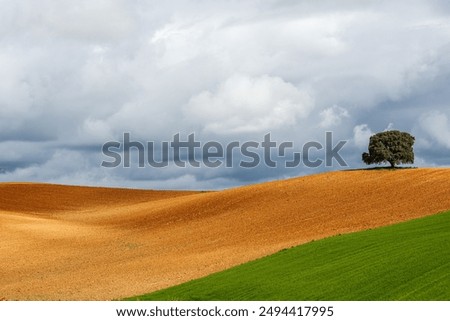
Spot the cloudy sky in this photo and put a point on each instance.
(76, 74)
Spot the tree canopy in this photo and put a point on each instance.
(393, 147)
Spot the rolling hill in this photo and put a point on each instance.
(82, 243)
(404, 261)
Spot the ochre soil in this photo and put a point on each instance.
(82, 243)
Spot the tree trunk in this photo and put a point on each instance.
(392, 164)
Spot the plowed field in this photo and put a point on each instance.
(82, 243)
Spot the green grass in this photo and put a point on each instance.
(406, 261)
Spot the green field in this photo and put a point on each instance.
(406, 261)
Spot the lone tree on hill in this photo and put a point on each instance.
(393, 147)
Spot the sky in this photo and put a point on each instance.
(77, 74)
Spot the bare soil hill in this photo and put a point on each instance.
(81, 243)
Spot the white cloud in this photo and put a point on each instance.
(94, 131)
(91, 21)
(243, 104)
(390, 126)
(333, 116)
(361, 135)
(437, 125)
(251, 45)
